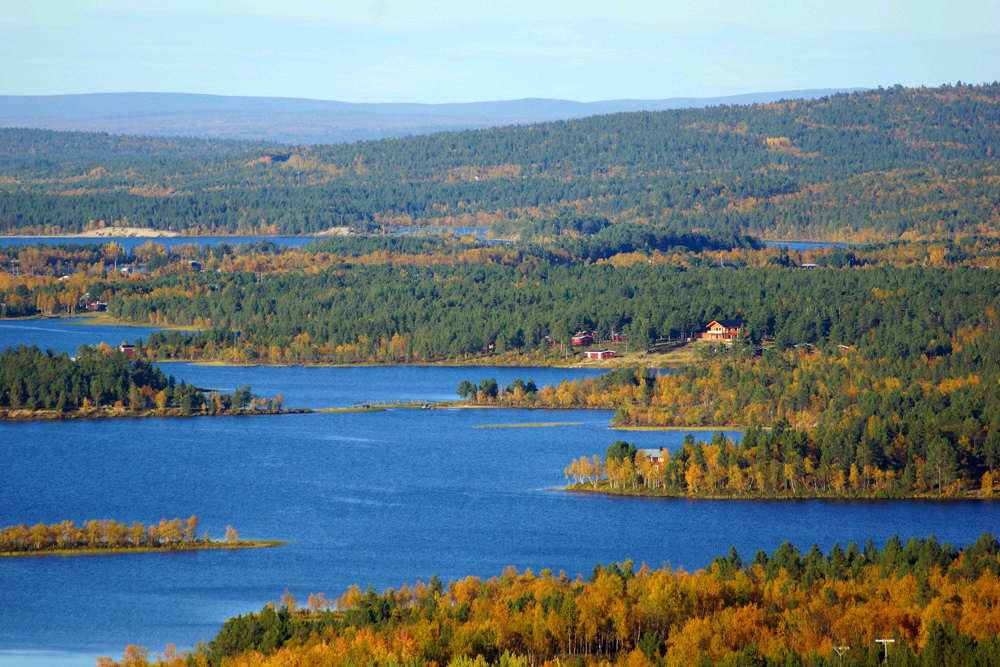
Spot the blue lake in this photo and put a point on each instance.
(382, 498)
(809, 245)
(130, 243)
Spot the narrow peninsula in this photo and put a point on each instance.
(109, 536)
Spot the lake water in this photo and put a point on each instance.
(130, 243)
(65, 335)
(809, 245)
(382, 498)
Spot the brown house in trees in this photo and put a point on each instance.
(723, 330)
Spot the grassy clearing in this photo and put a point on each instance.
(105, 319)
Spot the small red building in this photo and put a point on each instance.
(583, 338)
(127, 348)
(600, 354)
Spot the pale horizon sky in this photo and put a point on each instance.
(451, 51)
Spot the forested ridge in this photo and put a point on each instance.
(786, 608)
(874, 165)
(441, 312)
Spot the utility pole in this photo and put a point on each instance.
(841, 650)
(885, 643)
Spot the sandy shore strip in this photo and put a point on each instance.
(105, 233)
(123, 233)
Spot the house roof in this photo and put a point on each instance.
(729, 324)
(651, 453)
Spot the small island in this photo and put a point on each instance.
(109, 536)
(103, 382)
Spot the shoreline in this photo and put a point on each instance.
(192, 546)
(790, 496)
(112, 233)
(338, 231)
(104, 319)
(48, 415)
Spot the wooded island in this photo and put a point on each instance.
(109, 536)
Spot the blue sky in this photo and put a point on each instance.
(450, 51)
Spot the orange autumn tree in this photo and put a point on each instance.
(928, 596)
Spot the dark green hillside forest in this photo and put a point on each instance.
(451, 311)
(876, 165)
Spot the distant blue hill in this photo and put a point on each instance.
(305, 121)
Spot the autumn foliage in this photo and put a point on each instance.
(783, 608)
(104, 534)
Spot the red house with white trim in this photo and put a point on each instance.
(600, 354)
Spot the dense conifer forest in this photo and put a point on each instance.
(102, 382)
(877, 165)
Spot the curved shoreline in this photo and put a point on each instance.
(586, 487)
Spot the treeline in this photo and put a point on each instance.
(873, 165)
(64, 279)
(488, 390)
(101, 535)
(591, 239)
(786, 608)
(783, 463)
(100, 378)
(34, 380)
(387, 314)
